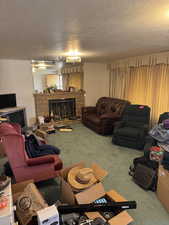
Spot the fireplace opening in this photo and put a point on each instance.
(62, 108)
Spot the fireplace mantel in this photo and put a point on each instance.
(41, 101)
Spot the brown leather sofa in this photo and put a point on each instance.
(101, 117)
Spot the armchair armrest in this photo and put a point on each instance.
(40, 160)
(146, 127)
(89, 109)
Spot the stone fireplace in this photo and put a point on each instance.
(62, 108)
(43, 100)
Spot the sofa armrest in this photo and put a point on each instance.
(113, 116)
(88, 109)
(40, 160)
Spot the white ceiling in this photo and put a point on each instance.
(101, 30)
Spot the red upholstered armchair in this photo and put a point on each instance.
(24, 168)
(102, 117)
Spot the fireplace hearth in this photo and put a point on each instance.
(62, 108)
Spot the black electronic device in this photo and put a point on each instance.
(105, 207)
(7, 100)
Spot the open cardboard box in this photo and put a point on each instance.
(163, 187)
(93, 193)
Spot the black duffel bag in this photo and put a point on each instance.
(144, 173)
(145, 177)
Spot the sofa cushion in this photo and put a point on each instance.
(112, 108)
(102, 108)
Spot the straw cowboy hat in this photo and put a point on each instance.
(81, 178)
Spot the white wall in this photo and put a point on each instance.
(96, 82)
(16, 77)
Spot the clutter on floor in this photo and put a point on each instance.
(64, 128)
(48, 125)
(84, 184)
(156, 152)
(160, 133)
(90, 204)
(48, 128)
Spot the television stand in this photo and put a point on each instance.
(15, 115)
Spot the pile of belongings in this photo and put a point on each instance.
(36, 148)
(160, 133)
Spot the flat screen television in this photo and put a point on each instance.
(7, 100)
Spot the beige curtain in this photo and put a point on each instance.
(118, 81)
(147, 85)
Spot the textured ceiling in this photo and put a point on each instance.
(101, 30)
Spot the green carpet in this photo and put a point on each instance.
(84, 145)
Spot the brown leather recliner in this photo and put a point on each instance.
(101, 117)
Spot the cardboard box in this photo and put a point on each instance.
(97, 191)
(93, 193)
(99, 172)
(28, 217)
(163, 187)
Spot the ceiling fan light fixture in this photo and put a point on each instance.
(73, 59)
